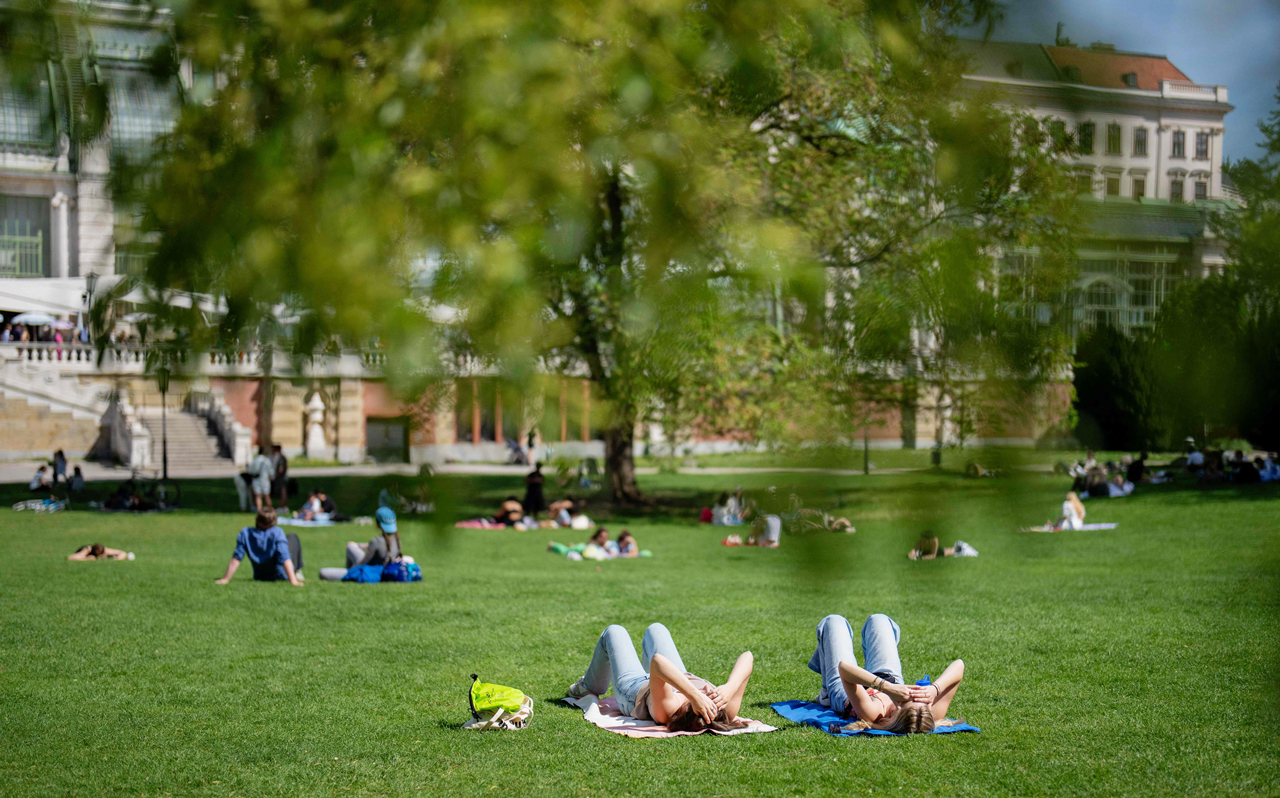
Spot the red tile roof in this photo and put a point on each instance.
(1100, 68)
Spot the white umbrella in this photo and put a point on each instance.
(134, 318)
(34, 319)
(63, 325)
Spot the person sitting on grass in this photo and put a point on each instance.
(876, 696)
(97, 551)
(318, 507)
(380, 550)
(1072, 516)
(275, 556)
(1245, 472)
(1137, 469)
(767, 531)
(727, 511)
(1118, 487)
(39, 480)
(659, 687)
(1268, 471)
(927, 548)
(1195, 459)
(76, 484)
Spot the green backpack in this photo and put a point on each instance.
(495, 706)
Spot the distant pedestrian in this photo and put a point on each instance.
(59, 466)
(261, 469)
(534, 500)
(280, 475)
(6, 335)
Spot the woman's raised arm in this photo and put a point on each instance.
(945, 687)
(662, 672)
(857, 679)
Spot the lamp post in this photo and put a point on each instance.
(90, 283)
(162, 380)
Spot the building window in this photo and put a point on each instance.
(1179, 144)
(1085, 132)
(1139, 187)
(1202, 190)
(1084, 184)
(1113, 139)
(1113, 186)
(1140, 141)
(1175, 191)
(1202, 146)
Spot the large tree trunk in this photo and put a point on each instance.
(619, 461)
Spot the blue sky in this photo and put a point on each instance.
(1235, 43)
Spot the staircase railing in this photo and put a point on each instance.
(234, 437)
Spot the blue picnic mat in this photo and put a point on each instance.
(811, 714)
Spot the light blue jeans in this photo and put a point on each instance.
(880, 636)
(615, 661)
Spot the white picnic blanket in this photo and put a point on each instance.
(604, 712)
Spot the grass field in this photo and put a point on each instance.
(1135, 662)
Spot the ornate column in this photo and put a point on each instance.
(61, 257)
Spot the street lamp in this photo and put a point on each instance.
(162, 381)
(90, 283)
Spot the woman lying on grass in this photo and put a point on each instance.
(927, 548)
(97, 551)
(660, 688)
(876, 696)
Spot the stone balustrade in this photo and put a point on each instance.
(127, 359)
(1193, 91)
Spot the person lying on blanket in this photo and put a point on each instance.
(660, 688)
(876, 697)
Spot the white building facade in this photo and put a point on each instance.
(1149, 163)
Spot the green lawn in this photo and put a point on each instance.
(1136, 662)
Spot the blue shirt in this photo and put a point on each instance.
(267, 550)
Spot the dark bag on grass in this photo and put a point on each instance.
(364, 574)
(401, 572)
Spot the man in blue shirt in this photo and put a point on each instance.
(272, 553)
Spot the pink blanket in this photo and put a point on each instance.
(604, 712)
(480, 523)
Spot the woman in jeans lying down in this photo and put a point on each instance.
(660, 688)
(876, 696)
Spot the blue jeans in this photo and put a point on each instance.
(880, 636)
(615, 661)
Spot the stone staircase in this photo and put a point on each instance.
(192, 449)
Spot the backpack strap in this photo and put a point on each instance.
(470, 700)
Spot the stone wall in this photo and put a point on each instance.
(30, 431)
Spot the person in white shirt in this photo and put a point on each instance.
(38, 480)
(726, 511)
(1119, 486)
(262, 471)
(1195, 459)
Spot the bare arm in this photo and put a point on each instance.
(293, 578)
(944, 689)
(80, 554)
(115, 554)
(856, 680)
(735, 688)
(665, 679)
(231, 571)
